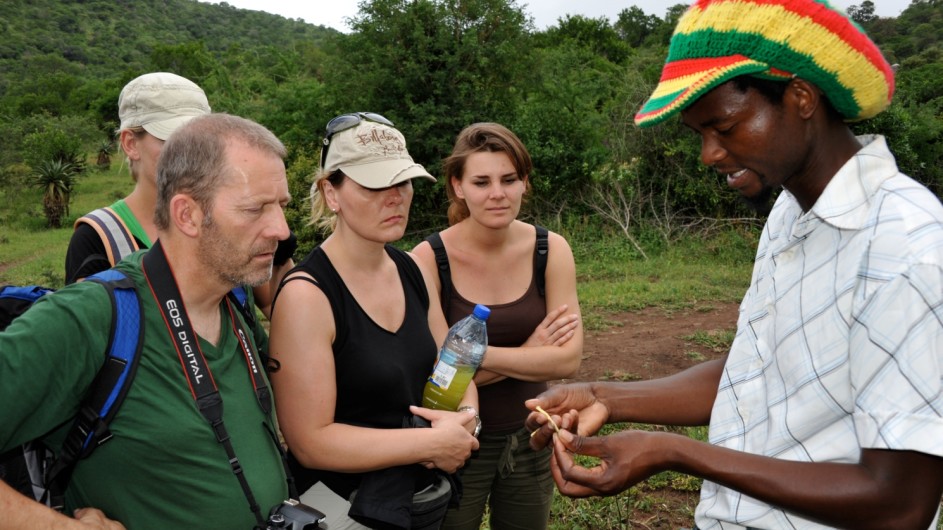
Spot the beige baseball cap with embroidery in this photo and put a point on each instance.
(160, 102)
(373, 155)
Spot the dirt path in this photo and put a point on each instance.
(652, 343)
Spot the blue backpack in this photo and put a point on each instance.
(34, 469)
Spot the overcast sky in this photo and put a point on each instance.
(332, 13)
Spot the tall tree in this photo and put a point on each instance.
(863, 14)
(634, 26)
(595, 34)
(433, 67)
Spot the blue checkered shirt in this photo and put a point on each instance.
(839, 342)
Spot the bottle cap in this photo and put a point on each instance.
(482, 311)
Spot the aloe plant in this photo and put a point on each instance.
(104, 155)
(56, 178)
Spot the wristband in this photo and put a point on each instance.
(477, 418)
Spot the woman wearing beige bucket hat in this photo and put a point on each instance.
(355, 335)
(150, 107)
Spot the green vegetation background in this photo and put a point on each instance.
(648, 224)
(432, 66)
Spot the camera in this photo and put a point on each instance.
(294, 515)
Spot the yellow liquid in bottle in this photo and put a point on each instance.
(446, 386)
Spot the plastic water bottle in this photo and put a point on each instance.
(459, 358)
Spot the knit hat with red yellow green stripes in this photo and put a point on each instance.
(717, 40)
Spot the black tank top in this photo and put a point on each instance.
(379, 374)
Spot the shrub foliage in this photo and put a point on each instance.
(431, 66)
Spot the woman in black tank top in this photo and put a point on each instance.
(528, 278)
(355, 338)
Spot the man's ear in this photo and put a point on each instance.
(186, 214)
(807, 97)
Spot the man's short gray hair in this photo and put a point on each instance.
(193, 160)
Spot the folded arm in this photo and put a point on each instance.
(555, 348)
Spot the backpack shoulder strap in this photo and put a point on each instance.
(240, 296)
(445, 273)
(111, 385)
(113, 232)
(540, 259)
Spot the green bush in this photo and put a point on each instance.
(53, 145)
(38, 138)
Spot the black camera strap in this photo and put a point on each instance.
(163, 286)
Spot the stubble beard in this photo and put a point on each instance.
(217, 254)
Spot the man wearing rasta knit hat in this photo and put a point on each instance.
(828, 410)
(716, 41)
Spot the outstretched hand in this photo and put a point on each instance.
(574, 407)
(625, 459)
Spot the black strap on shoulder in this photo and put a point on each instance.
(202, 386)
(540, 259)
(541, 249)
(445, 273)
(92, 423)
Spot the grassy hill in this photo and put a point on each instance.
(106, 37)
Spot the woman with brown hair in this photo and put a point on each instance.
(527, 276)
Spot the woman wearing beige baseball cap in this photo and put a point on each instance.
(356, 335)
(150, 107)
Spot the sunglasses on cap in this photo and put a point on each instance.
(344, 122)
